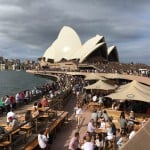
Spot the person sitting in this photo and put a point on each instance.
(114, 106)
(44, 102)
(123, 138)
(13, 122)
(144, 120)
(94, 115)
(102, 123)
(39, 105)
(99, 112)
(10, 114)
(131, 117)
(105, 115)
(113, 126)
(109, 133)
(35, 112)
(123, 123)
(28, 117)
(35, 105)
(97, 142)
(133, 132)
(88, 145)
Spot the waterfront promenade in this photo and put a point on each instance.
(64, 135)
(62, 139)
(53, 74)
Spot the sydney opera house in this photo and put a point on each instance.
(68, 46)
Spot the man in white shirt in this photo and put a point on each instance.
(91, 127)
(133, 132)
(79, 113)
(17, 99)
(94, 98)
(42, 140)
(88, 145)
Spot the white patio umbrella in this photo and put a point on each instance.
(101, 85)
(131, 93)
(94, 76)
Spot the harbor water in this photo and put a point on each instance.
(12, 82)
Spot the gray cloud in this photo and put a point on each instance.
(28, 27)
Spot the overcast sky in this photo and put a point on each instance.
(28, 27)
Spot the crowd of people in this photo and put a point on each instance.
(117, 67)
(102, 132)
(21, 98)
(99, 119)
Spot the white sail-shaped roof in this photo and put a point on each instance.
(68, 46)
(67, 42)
(86, 51)
(112, 53)
(88, 47)
(109, 50)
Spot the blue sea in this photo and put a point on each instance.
(12, 82)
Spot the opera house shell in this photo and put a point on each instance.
(68, 46)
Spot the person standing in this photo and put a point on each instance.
(42, 140)
(17, 99)
(79, 113)
(7, 104)
(44, 101)
(74, 142)
(91, 127)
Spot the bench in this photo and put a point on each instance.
(67, 122)
(32, 144)
(27, 129)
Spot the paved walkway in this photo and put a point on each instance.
(63, 137)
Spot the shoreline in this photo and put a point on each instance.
(142, 79)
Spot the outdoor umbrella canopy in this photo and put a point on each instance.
(100, 85)
(135, 84)
(94, 76)
(131, 93)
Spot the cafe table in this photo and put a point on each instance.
(12, 132)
